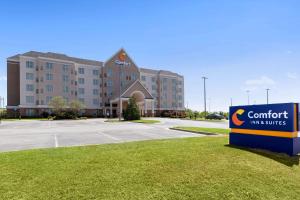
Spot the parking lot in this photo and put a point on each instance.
(31, 134)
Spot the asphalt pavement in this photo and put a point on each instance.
(32, 134)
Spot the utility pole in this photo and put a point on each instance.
(267, 95)
(204, 79)
(248, 91)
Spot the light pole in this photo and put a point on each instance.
(204, 79)
(230, 101)
(248, 96)
(267, 95)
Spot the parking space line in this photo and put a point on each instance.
(56, 141)
(109, 136)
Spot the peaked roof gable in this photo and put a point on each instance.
(136, 86)
(115, 57)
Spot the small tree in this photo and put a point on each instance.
(132, 111)
(196, 114)
(58, 104)
(76, 106)
(189, 113)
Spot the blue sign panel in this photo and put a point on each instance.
(272, 117)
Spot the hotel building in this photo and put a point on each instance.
(34, 78)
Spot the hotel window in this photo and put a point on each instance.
(95, 92)
(81, 70)
(96, 101)
(81, 100)
(81, 90)
(29, 87)
(81, 80)
(48, 99)
(133, 77)
(109, 83)
(65, 68)
(29, 76)
(49, 77)
(96, 82)
(29, 64)
(109, 73)
(95, 72)
(29, 99)
(49, 66)
(66, 89)
(49, 88)
(143, 78)
(65, 78)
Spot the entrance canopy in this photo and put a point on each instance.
(136, 90)
(142, 96)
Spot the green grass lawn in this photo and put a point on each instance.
(191, 168)
(202, 129)
(146, 121)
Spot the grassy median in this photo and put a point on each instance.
(202, 130)
(145, 121)
(192, 168)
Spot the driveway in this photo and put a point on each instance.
(31, 134)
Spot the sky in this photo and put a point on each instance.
(239, 45)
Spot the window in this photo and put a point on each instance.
(96, 82)
(109, 73)
(29, 64)
(154, 87)
(109, 83)
(143, 78)
(95, 72)
(81, 100)
(153, 79)
(65, 68)
(29, 87)
(49, 66)
(96, 102)
(29, 99)
(81, 90)
(81, 80)
(49, 77)
(65, 78)
(29, 76)
(49, 88)
(95, 92)
(66, 89)
(48, 99)
(81, 70)
(133, 77)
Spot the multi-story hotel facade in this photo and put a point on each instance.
(34, 78)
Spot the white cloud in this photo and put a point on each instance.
(3, 78)
(292, 75)
(261, 83)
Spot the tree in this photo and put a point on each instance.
(132, 111)
(58, 104)
(76, 106)
(189, 113)
(196, 114)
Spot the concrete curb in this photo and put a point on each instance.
(204, 133)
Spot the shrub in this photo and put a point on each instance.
(132, 111)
